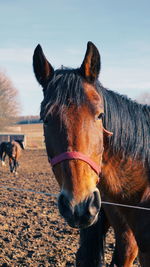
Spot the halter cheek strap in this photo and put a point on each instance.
(75, 155)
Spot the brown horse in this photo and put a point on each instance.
(13, 151)
(80, 149)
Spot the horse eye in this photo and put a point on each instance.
(101, 116)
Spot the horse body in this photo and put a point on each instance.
(72, 109)
(13, 151)
(126, 167)
(126, 170)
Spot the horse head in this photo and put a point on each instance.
(72, 111)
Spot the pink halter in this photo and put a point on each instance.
(75, 155)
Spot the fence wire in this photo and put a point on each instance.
(56, 195)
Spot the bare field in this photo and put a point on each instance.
(32, 233)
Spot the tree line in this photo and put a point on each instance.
(9, 102)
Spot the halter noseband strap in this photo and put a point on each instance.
(75, 155)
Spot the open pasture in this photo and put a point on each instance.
(32, 233)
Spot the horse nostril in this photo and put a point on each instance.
(64, 205)
(94, 203)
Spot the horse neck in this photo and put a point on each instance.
(130, 124)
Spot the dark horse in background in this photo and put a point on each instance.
(88, 160)
(13, 151)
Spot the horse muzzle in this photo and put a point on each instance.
(83, 214)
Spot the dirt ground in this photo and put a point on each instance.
(32, 233)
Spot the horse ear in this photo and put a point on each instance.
(42, 68)
(90, 67)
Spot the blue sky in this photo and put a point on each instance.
(119, 29)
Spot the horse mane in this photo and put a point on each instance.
(64, 88)
(128, 120)
(130, 124)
